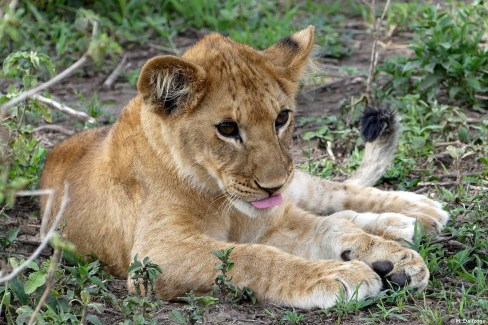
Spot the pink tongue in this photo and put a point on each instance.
(268, 202)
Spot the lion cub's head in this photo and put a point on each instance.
(225, 111)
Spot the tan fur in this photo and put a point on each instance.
(163, 183)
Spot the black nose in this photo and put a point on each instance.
(270, 190)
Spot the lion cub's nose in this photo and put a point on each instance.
(270, 188)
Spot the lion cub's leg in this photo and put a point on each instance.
(324, 197)
(335, 237)
(394, 226)
(185, 257)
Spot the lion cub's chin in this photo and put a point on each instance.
(249, 210)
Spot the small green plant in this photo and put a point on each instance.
(196, 310)
(223, 283)
(447, 57)
(143, 274)
(135, 309)
(73, 293)
(7, 240)
(292, 317)
(21, 155)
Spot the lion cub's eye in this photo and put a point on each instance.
(228, 129)
(282, 119)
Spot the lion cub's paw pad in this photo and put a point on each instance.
(398, 279)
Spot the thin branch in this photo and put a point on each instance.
(172, 50)
(49, 283)
(329, 151)
(65, 109)
(47, 237)
(373, 59)
(58, 77)
(47, 210)
(54, 127)
(108, 83)
(459, 245)
(446, 183)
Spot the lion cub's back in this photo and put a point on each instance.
(67, 157)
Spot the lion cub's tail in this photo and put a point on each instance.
(380, 128)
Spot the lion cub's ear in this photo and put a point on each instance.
(292, 53)
(171, 85)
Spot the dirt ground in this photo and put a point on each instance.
(314, 100)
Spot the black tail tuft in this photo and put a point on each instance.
(376, 122)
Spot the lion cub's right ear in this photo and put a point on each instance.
(171, 85)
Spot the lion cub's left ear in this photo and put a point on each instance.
(171, 85)
(292, 53)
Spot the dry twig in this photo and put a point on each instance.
(374, 58)
(49, 283)
(65, 109)
(108, 83)
(54, 127)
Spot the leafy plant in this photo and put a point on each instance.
(223, 283)
(196, 309)
(22, 157)
(136, 309)
(7, 240)
(72, 297)
(143, 274)
(447, 57)
(292, 317)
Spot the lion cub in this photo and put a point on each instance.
(200, 161)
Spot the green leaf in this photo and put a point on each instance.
(85, 297)
(309, 135)
(178, 317)
(97, 306)
(6, 299)
(18, 290)
(98, 282)
(453, 91)
(12, 234)
(474, 82)
(134, 267)
(24, 313)
(35, 280)
(463, 134)
(93, 319)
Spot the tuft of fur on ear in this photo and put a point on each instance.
(169, 84)
(292, 53)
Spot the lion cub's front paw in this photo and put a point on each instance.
(428, 212)
(333, 281)
(398, 265)
(394, 226)
(358, 280)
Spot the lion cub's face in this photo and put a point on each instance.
(225, 111)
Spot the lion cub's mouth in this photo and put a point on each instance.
(268, 202)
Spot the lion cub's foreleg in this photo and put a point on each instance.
(376, 211)
(185, 257)
(335, 237)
